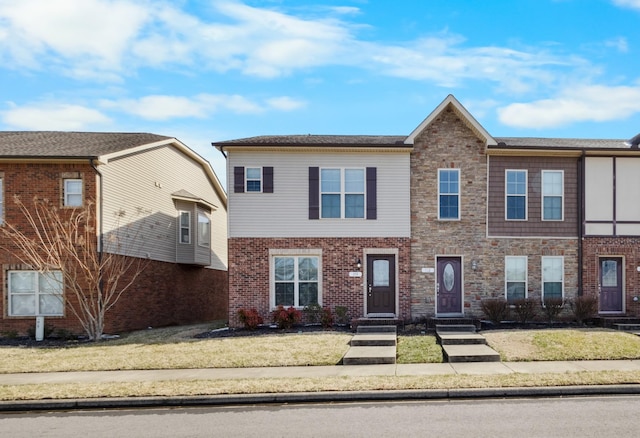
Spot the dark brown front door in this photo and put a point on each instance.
(449, 286)
(610, 284)
(381, 284)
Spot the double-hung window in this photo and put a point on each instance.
(516, 194)
(253, 179)
(72, 192)
(342, 193)
(185, 227)
(552, 195)
(296, 280)
(449, 194)
(552, 277)
(204, 229)
(33, 293)
(515, 278)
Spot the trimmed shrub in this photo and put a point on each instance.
(342, 316)
(552, 307)
(495, 309)
(313, 313)
(526, 309)
(326, 318)
(250, 318)
(286, 318)
(584, 307)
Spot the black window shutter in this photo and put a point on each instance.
(314, 193)
(372, 203)
(267, 177)
(238, 179)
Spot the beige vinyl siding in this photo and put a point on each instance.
(598, 189)
(137, 197)
(285, 212)
(627, 184)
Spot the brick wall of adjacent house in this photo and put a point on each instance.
(627, 247)
(165, 294)
(449, 143)
(249, 272)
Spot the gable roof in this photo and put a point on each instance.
(59, 144)
(308, 140)
(462, 112)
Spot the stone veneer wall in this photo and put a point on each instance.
(448, 143)
(249, 272)
(626, 247)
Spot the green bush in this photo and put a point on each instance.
(342, 316)
(495, 309)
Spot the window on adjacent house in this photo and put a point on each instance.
(552, 195)
(448, 194)
(515, 278)
(342, 193)
(33, 293)
(552, 278)
(73, 193)
(296, 280)
(204, 230)
(1, 203)
(185, 227)
(253, 179)
(516, 195)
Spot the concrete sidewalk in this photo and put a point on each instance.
(470, 368)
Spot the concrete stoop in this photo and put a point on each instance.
(372, 345)
(463, 344)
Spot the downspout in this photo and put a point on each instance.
(581, 215)
(99, 207)
(222, 152)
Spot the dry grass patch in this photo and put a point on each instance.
(563, 344)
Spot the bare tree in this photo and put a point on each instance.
(65, 240)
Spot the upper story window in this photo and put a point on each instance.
(552, 277)
(448, 193)
(515, 278)
(185, 227)
(516, 195)
(552, 195)
(204, 230)
(72, 192)
(342, 193)
(1, 202)
(252, 179)
(33, 293)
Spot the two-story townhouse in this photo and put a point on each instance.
(162, 200)
(319, 219)
(487, 216)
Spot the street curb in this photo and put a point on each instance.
(316, 397)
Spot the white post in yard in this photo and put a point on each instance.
(39, 328)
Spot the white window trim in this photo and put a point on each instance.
(543, 279)
(526, 195)
(247, 179)
(542, 196)
(273, 253)
(343, 192)
(180, 227)
(67, 192)
(459, 195)
(526, 275)
(201, 242)
(36, 292)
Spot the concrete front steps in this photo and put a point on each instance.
(461, 343)
(372, 344)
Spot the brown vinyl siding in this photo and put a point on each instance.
(534, 226)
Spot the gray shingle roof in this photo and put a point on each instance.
(318, 140)
(560, 143)
(16, 144)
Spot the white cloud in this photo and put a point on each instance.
(635, 4)
(53, 116)
(285, 103)
(588, 103)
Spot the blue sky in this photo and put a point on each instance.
(211, 70)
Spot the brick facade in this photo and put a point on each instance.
(449, 143)
(249, 272)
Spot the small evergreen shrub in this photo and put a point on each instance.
(342, 316)
(250, 318)
(525, 309)
(326, 318)
(584, 307)
(495, 309)
(313, 313)
(286, 318)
